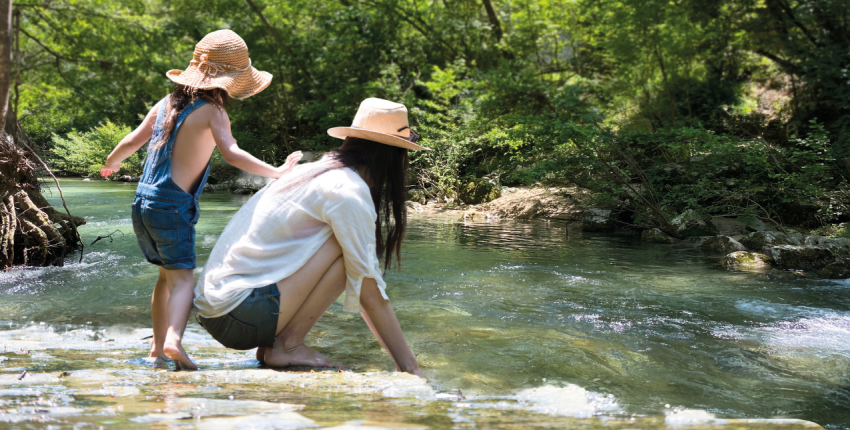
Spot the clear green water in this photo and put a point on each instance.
(490, 309)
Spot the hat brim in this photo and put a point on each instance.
(387, 139)
(238, 85)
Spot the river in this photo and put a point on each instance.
(515, 323)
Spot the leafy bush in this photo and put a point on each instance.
(85, 153)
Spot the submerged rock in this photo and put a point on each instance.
(129, 178)
(657, 236)
(800, 257)
(722, 244)
(743, 260)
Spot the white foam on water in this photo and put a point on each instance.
(782, 310)
(39, 336)
(23, 279)
(570, 401)
(689, 416)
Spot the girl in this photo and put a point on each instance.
(183, 129)
(295, 246)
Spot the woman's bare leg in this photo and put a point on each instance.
(304, 298)
(159, 315)
(181, 283)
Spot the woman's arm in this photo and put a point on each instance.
(130, 144)
(236, 157)
(384, 324)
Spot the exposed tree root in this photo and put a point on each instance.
(32, 232)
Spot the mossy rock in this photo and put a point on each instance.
(743, 260)
(418, 196)
(478, 191)
(837, 270)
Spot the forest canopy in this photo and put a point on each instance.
(722, 107)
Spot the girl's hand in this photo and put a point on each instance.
(290, 163)
(108, 169)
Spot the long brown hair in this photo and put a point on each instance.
(385, 171)
(182, 97)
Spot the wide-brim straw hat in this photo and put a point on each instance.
(381, 121)
(221, 61)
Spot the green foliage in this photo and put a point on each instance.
(85, 153)
(699, 102)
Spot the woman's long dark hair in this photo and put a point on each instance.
(385, 171)
(182, 97)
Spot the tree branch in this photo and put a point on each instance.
(788, 11)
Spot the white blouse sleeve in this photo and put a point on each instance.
(348, 209)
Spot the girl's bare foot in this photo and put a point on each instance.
(175, 352)
(261, 354)
(300, 355)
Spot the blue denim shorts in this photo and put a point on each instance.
(166, 231)
(252, 324)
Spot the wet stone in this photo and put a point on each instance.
(656, 236)
(800, 257)
(721, 244)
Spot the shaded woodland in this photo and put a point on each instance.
(724, 108)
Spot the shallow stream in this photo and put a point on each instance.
(516, 324)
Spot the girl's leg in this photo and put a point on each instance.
(304, 297)
(159, 315)
(181, 283)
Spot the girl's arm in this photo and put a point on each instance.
(130, 144)
(236, 157)
(384, 324)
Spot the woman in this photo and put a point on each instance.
(295, 246)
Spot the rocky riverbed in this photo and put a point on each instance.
(84, 378)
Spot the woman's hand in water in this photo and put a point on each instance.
(109, 169)
(290, 163)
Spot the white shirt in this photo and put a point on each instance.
(276, 232)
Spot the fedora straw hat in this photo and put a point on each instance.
(381, 121)
(221, 61)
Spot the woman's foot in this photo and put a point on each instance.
(174, 351)
(261, 354)
(300, 355)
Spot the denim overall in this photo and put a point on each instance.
(164, 216)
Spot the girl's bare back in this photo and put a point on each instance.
(194, 145)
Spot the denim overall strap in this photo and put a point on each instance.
(157, 182)
(150, 156)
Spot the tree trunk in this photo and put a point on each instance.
(495, 23)
(31, 232)
(5, 57)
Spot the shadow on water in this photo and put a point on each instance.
(496, 308)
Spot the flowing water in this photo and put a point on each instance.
(516, 324)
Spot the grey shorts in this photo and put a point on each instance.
(252, 324)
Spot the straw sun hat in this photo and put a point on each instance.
(381, 121)
(221, 61)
